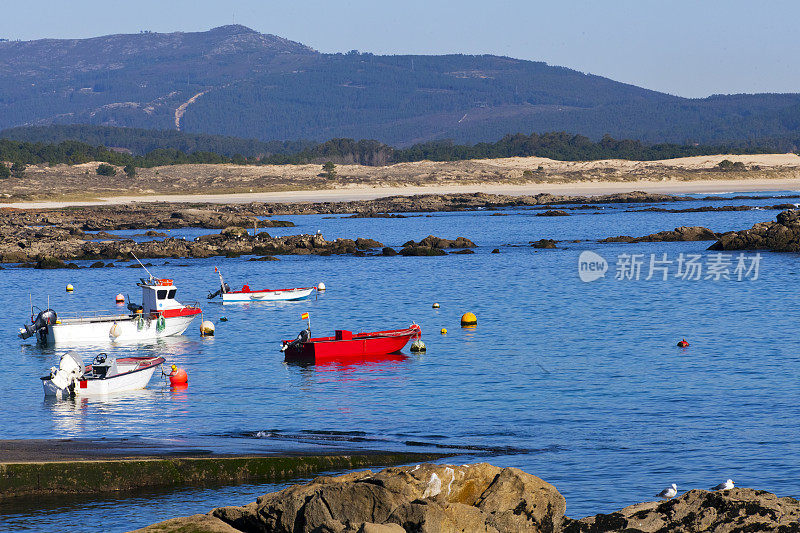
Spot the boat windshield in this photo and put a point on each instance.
(171, 294)
(162, 294)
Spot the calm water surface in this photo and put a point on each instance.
(578, 383)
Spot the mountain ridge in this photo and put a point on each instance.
(266, 87)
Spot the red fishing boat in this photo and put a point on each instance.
(346, 344)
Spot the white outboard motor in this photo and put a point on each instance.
(61, 381)
(38, 325)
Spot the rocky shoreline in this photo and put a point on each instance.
(52, 238)
(55, 246)
(478, 497)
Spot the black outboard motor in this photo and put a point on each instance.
(133, 308)
(224, 288)
(301, 339)
(38, 325)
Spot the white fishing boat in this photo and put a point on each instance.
(264, 295)
(105, 375)
(160, 315)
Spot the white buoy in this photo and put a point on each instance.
(321, 286)
(70, 288)
(207, 328)
(116, 331)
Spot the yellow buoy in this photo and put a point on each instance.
(436, 306)
(469, 320)
(70, 288)
(444, 331)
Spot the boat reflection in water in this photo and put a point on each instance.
(73, 416)
(367, 368)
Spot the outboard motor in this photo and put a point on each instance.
(61, 380)
(224, 288)
(133, 308)
(301, 339)
(38, 325)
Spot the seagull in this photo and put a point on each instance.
(669, 493)
(728, 485)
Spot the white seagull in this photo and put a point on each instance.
(669, 493)
(728, 485)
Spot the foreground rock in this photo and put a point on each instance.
(683, 233)
(425, 498)
(735, 510)
(783, 235)
(481, 498)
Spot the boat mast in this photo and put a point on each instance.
(221, 281)
(152, 277)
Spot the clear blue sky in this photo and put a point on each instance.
(690, 48)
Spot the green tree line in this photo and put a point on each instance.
(561, 146)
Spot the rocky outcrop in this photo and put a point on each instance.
(544, 243)
(429, 498)
(421, 251)
(437, 242)
(783, 235)
(553, 213)
(479, 498)
(683, 233)
(735, 510)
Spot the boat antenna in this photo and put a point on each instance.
(152, 277)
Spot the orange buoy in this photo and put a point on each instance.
(120, 298)
(178, 376)
(683, 344)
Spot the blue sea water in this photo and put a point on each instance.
(578, 383)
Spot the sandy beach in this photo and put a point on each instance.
(370, 193)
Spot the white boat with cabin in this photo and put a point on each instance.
(159, 315)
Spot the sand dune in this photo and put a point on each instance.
(79, 184)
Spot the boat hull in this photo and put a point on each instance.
(361, 345)
(267, 295)
(125, 329)
(129, 381)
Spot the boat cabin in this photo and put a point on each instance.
(158, 295)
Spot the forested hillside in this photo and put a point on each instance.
(233, 81)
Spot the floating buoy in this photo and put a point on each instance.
(468, 320)
(120, 298)
(115, 331)
(207, 328)
(436, 306)
(321, 286)
(683, 344)
(178, 376)
(418, 346)
(70, 288)
(443, 331)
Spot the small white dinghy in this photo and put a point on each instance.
(265, 295)
(105, 375)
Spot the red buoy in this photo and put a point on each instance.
(683, 344)
(178, 376)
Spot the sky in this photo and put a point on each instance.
(690, 48)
